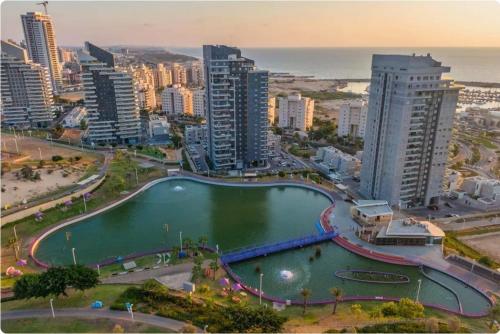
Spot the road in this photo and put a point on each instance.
(153, 320)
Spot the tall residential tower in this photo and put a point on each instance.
(26, 90)
(408, 130)
(236, 100)
(41, 43)
(110, 99)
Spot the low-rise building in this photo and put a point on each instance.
(158, 126)
(177, 100)
(74, 118)
(274, 144)
(337, 160)
(409, 232)
(196, 134)
(481, 193)
(371, 213)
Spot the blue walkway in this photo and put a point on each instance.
(252, 252)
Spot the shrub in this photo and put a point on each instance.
(410, 309)
(485, 260)
(281, 173)
(56, 158)
(389, 309)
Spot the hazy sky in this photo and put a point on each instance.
(267, 24)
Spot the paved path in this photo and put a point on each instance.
(153, 320)
(141, 276)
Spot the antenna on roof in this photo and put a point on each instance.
(44, 4)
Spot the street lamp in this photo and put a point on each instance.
(40, 152)
(418, 289)
(74, 256)
(260, 288)
(52, 307)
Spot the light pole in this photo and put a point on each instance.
(52, 307)
(15, 232)
(136, 177)
(98, 270)
(40, 152)
(418, 289)
(130, 310)
(17, 148)
(180, 238)
(84, 202)
(260, 288)
(74, 256)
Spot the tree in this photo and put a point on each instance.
(56, 280)
(27, 172)
(118, 329)
(305, 293)
(202, 241)
(83, 278)
(56, 158)
(410, 309)
(281, 173)
(28, 286)
(188, 245)
(214, 265)
(176, 140)
(337, 294)
(356, 309)
(83, 124)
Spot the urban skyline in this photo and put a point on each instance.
(335, 24)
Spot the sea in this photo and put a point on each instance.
(467, 64)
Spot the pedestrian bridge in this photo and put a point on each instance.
(264, 250)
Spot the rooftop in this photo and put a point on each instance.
(372, 208)
(410, 227)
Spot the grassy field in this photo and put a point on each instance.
(120, 179)
(75, 325)
(329, 95)
(107, 293)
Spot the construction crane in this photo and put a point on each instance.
(44, 4)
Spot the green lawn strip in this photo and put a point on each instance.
(329, 95)
(477, 231)
(451, 241)
(107, 293)
(75, 325)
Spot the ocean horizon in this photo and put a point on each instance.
(467, 64)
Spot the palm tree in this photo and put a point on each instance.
(202, 241)
(214, 265)
(187, 244)
(337, 294)
(306, 293)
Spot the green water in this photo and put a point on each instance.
(233, 217)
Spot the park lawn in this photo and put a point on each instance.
(75, 325)
(107, 293)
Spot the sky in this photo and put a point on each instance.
(402, 23)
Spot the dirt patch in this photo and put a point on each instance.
(34, 147)
(485, 243)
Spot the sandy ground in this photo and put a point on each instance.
(18, 190)
(485, 243)
(29, 146)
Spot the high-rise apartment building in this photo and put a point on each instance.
(195, 74)
(295, 112)
(40, 39)
(409, 125)
(352, 119)
(26, 99)
(236, 99)
(199, 105)
(162, 76)
(177, 100)
(110, 99)
(179, 74)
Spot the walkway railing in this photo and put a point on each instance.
(252, 252)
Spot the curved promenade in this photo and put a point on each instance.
(325, 224)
